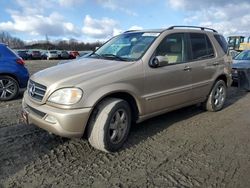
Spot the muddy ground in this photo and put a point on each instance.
(184, 148)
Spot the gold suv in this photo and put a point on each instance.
(132, 77)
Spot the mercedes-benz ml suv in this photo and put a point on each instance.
(132, 77)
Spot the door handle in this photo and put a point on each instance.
(215, 63)
(187, 68)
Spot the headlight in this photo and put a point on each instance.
(66, 96)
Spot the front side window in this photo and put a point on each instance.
(201, 46)
(172, 47)
(127, 46)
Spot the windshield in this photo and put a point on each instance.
(126, 47)
(245, 55)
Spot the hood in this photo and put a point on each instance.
(241, 64)
(70, 74)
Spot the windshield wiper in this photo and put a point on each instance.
(113, 56)
(95, 54)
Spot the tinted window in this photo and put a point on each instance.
(201, 46)
(172, 47)
(223, 43)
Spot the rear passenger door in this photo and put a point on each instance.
(202, 60)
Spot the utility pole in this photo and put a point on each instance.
(47, 41)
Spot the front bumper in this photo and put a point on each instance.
(67, 123)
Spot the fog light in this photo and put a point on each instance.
(51, 119)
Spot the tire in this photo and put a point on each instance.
(217, 97)
(9, 88)
(109, 125)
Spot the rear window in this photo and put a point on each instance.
(5, 51)
(222, 41)
(201, 46)
(53, 52)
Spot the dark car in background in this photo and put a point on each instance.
(13, 74)
(240, 62)
(64, 55)
(35, 54)
(24, 54)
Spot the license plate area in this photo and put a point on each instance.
(25, 118)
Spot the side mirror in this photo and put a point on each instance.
(158, 61)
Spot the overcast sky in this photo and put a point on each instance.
(92, 20)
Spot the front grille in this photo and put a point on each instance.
(36, 91)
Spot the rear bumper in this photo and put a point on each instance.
(66, 123)
(23, 78)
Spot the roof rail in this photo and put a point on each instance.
(130, 31)
(197, 27)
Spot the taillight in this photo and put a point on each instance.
(20, 61)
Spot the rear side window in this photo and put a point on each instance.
(223, 43)
(201, 46)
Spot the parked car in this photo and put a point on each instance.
(64, 55)
(13, 74)
(24, 54)
(35, 54)
(241, 61)
(134, 76)
(73, 54)
(52, 54)
(44, 54)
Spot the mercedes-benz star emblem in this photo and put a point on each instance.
(32, 90)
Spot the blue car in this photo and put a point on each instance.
(13, 74)
(241, 61)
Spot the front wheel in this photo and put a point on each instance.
(217, 97)
(109, 125)
(9, 88)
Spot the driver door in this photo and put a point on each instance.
(170, 86)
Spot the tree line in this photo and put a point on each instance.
(71, 44)
(13, 42)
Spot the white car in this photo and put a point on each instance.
(52, 54)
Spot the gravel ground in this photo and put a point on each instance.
(184, 148)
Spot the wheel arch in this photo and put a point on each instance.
(222, 77)
(129, 98)
(133, 103)
(12, 76)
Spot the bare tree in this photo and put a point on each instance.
(13, 42)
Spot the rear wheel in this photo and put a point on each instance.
(9, 88)
(217, 97)
(109, 126)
